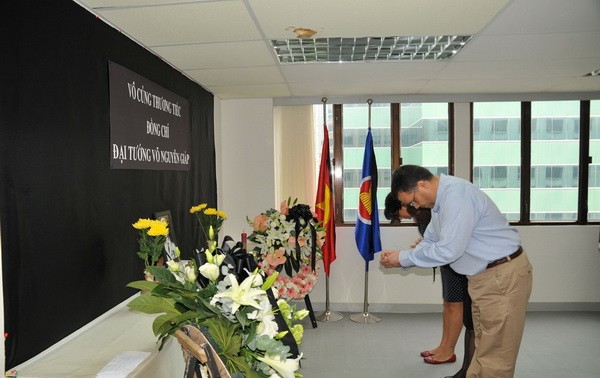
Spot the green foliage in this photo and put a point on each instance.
(149, 304)
(143, 285)
(233, 334)
(150, 247)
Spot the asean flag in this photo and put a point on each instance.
(324, 203)
(368, 239)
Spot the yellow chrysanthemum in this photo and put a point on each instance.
(142, 224)
(195, 209)
(158, 228)
(221, 214)
(210, 211)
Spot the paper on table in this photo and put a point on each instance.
(122, 364)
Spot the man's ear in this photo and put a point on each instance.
(422, 184)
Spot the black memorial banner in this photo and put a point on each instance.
(68, 245)
(149, 125)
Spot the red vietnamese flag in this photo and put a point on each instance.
(324, 203)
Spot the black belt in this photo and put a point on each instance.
(505, 259)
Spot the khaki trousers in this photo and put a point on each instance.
(500, 295)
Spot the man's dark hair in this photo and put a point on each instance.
(406, 177)
(392, 205)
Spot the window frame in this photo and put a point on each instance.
(396, 160)
(525, 162)
(583, 167)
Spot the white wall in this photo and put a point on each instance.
(245, 163)
(565, 258)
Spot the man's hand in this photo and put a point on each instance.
(389, 259)
(416, 242)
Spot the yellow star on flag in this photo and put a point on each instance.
(325, 205)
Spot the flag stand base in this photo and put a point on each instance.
(329, 316)
(365, 318)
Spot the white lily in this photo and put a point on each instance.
(173, 266)
(190, 274)
(267, 325)
(210, 271)
(285, 368)
(219, 259)
(241, 294)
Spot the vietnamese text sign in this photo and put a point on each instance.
(149, 125)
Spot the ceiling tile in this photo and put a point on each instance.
(555, 16)
(237, 76)
(531, 47)
(130, 3)
(218, 55)
(250, 91)
(360, 72)
(570, 67)
(351, 88)
(359, 18)
(185, 22)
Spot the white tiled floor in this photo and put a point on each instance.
(555, 345)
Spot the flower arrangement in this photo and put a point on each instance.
(152, 237)
(210, 220)
(288, 240)
(235, 308)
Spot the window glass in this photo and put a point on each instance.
(424, 135)
(497, 154)
(318, 133)
(554, 160)
(354, 134)
(594, 173)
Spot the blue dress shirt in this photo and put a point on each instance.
(466, 231)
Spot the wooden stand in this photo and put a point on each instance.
(198, 351)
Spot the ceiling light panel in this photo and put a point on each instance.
(368, 49)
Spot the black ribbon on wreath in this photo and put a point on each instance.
(244, 264)
(302, 216)
(236, 256)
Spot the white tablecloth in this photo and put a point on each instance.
(89, 350)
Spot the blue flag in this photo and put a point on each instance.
(367, 235)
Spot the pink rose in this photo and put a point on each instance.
(276, 258)
(283, 208)
(301, 241)
(260, 223)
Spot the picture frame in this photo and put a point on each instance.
(171, 242)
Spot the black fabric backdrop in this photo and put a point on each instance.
(68, 248)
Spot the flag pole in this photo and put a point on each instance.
(365, 317)
(327, 315)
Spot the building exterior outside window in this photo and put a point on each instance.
(594, 172)
(497, 154)
(424, 140)
(424, 135)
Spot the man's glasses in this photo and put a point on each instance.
(412, 203)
